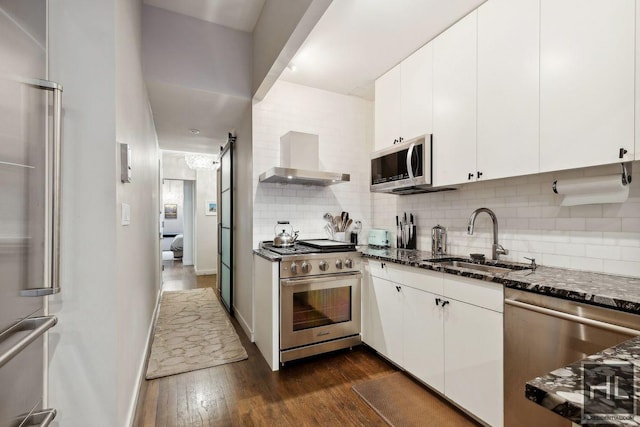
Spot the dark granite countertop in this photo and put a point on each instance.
(615, 292)
(566, 390)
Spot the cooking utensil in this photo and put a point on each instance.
(348, 224)
(329, 229)
(328, 217)
(284, 239)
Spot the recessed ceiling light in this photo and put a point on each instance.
(195, 131)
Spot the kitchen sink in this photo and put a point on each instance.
(472, 266)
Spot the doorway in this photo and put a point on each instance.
(178, 220)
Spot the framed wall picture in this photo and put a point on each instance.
(212, 208)
(170, 211)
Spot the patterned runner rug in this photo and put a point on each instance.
(192, 332)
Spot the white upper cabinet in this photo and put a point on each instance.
(508, 88)
(454, 103)
(387, 108)
(417, 93)
(586, 82)
(404, 100)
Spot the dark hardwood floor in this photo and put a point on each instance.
(309, 392)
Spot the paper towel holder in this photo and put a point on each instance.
(626, 173)
(626, 176)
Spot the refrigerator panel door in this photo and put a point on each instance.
(23, 219)
(22, 382)
(23, 158)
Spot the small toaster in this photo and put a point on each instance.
(378, 237)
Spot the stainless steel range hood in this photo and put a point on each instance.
(302, 176)
(299, 163)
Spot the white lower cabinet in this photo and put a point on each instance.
(423, 336)
(386, 318)
(445, 330)
(473, 360)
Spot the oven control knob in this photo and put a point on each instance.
(339, 264)
(348, 263)
(306, 267)
(294, 268)
(323, 265)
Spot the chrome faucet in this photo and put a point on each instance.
(497, 249)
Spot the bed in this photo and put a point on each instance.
(176, 246)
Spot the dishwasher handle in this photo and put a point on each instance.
(573, 318)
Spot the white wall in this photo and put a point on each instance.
(174, 166)
(137, 245)
(110, 273)
(206, 226)
(243, 225)
(186, 51)
(83, 347)
(601, 238)
(344, 125)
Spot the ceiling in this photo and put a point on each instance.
(237, 14)
(354, 42)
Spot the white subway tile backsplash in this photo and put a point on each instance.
(603, 224)
(531, 221)
(630, 254)
(622, 268)
(344, 125)
(571, 224)
(572, 249)
(586, 264)
(631, 224)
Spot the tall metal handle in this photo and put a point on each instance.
(219, 238)
(37, 326)
(573, 318)
(409, 158)
(322, 279)
(57, 151)
(40, 418)
(55, 192)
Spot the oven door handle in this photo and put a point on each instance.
(295, 282)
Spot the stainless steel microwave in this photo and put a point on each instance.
(404, 168)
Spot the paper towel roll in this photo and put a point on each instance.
(592, 190)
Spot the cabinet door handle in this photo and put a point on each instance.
(382, 265)
(438, 301)
(622, 152)
(471, 175)
(445, 303)
(479, 174)
(398, 288)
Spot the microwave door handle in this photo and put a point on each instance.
(409, 158)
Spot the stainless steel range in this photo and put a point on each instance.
(319, 297)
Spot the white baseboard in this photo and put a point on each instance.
(205, 272)
(143, 363)
(245, 326)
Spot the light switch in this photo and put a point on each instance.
(126, 214)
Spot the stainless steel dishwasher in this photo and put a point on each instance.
(543, 333)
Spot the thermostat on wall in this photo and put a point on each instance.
(125, 163)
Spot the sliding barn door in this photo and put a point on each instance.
(225, 225)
